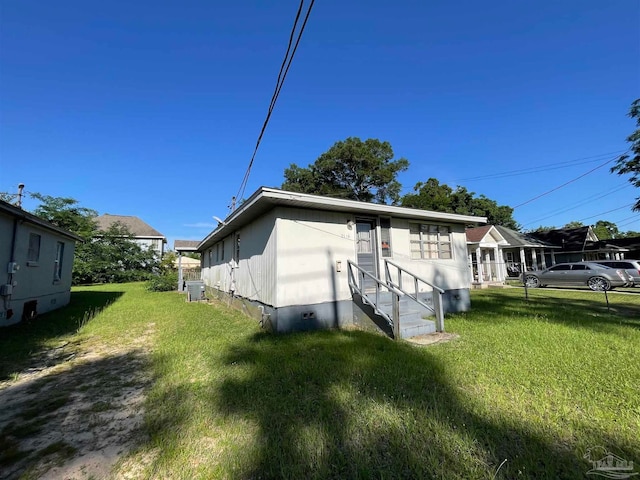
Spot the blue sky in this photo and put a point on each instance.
(153, 108)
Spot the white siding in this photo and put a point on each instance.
(254, 276)
(309, 244)
(34, 280)
(447, 274)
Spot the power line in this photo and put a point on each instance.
(578, 205)
(567, 183)
(288, 58)
(542, 168)
(602, 213)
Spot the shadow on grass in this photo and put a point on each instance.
(585, 310)
(80, 411)
(355, 405)
(18, 342)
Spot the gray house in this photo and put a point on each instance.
(143, 233)
(293, 255)
(37, 260)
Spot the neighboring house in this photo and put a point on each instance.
(37, 260)
(288, 254)
(497, 252)
(143, 234)
(188, 268)
(578, 245)
(630, 246)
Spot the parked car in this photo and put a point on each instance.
(594, 275)
(632, 267)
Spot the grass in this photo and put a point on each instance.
(535, 383)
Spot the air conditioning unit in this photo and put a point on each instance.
(195, 290)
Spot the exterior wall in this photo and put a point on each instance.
(155, 243)
(448, 274)
(310, 242)
(253, 276)
(33, 280)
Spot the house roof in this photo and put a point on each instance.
(265, 199)
(569, 239)
(518, 239)
(30, 218)
(475, 235)
(137, 227)
(186, 245)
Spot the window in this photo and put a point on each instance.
(580, 267)
(33, 255)
(57, 266)
(560, 267)
(385, 236)
(430, 241)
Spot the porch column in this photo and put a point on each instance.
(501, 267)
(471, 267)
(523, 260)
(534, 259)
(487, 263)
(479, 261)
(180, 281)
(553, 257)
(544, 259)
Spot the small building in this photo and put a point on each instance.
(497, 252)
(37, 261)
(579, 244)
(188, 268)
(287, 253)
(143, 234)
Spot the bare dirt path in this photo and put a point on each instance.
(76, 412)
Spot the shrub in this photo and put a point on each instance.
(165, 282)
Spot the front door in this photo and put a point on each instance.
(366, 250)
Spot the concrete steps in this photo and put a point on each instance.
(412, 321)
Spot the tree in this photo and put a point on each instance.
(65, 213)
(574, 224)
(351, 169)
(110, 256)
(630, 164)
(431, 195)
(605, 230)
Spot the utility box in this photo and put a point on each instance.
(195, 290)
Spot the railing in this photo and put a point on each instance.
(437, 292)
(356, 283)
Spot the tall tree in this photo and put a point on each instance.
(431, 195)
(110, 256)
(630, 163)
(605, 230)
(352, 169)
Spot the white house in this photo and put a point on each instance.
(37, 260)
(143, 234)
(288, 254)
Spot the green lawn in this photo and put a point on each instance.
(522, 393)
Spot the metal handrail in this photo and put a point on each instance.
(437, 292)
(357, 288)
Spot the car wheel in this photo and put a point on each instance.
(531, 281)
(599, 284)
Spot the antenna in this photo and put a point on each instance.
(220, 222)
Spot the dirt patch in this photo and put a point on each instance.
(76, 411)
(432, 338)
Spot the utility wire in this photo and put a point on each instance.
(567, 183)
(578, 205)
(288, 58)
(602, 213)
(542, 168)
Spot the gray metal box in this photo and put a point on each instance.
(195, 290)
